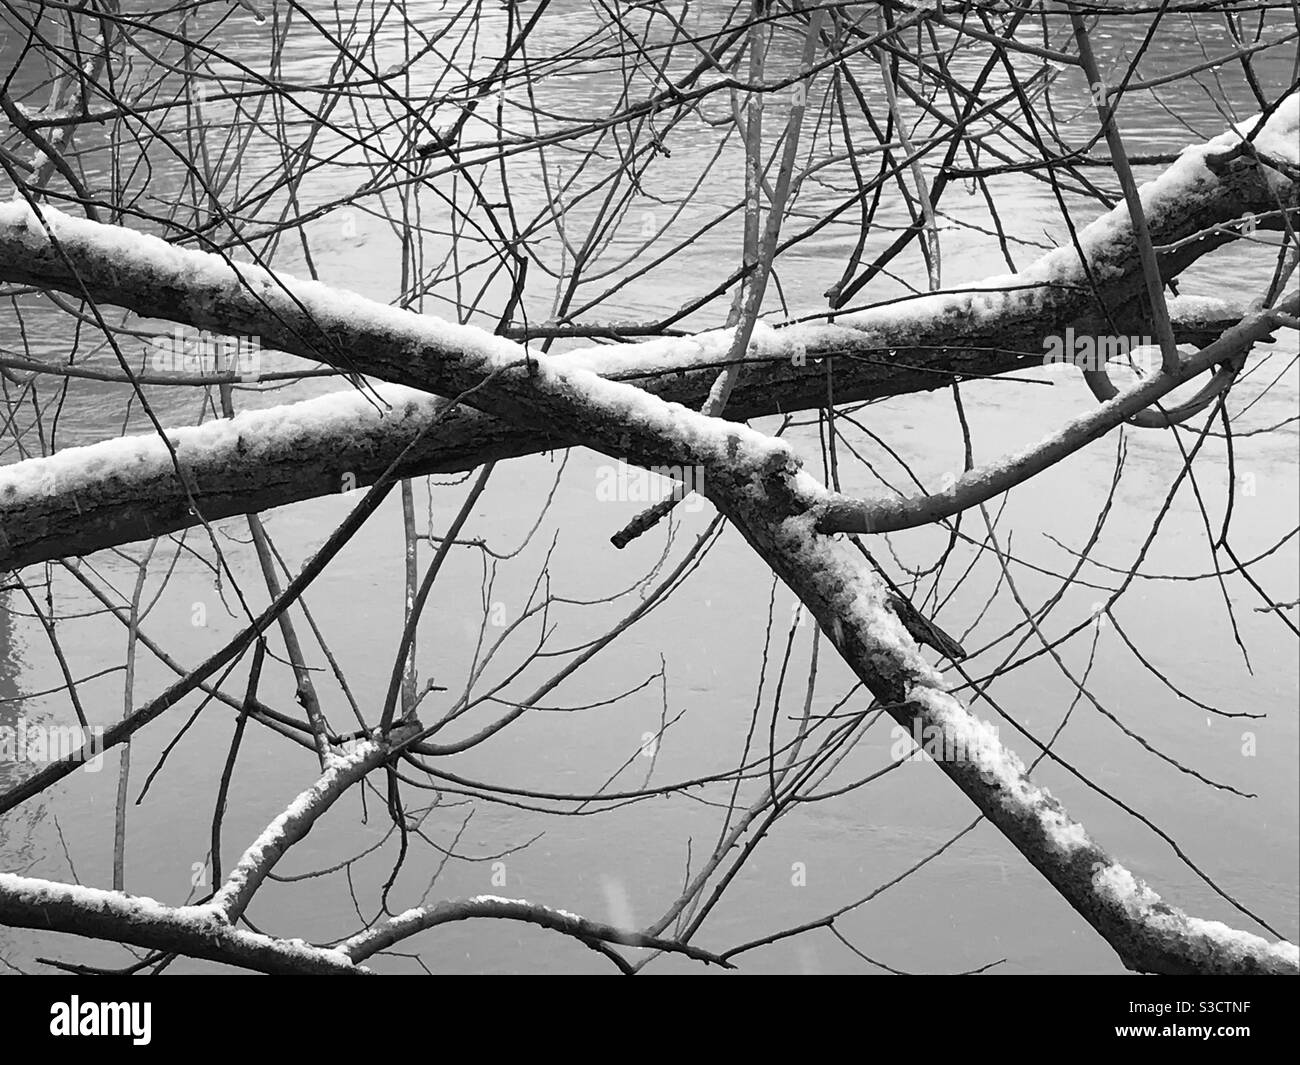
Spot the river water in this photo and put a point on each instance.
(698, 655)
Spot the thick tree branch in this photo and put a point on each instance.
(119, 491)
(81, 500)
(980, 485)
(196, 931)
(777, 515)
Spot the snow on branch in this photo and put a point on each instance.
(383, 936)
(1199, 184)
(202, 932)
(982, 484)
(82, 499)
(850, 604)
(126, 490)
(196, 931)
(355, 334)
(209, 930)
(293, 824)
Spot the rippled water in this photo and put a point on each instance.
(978, 902)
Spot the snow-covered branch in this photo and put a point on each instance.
(383, 936)
(84, 499)
(980, 485)
(203, 932)
(778, 516)
(196, 931)
(293, 824)
(209, 930)
(119, 491)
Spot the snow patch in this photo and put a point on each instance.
(1143, 905)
